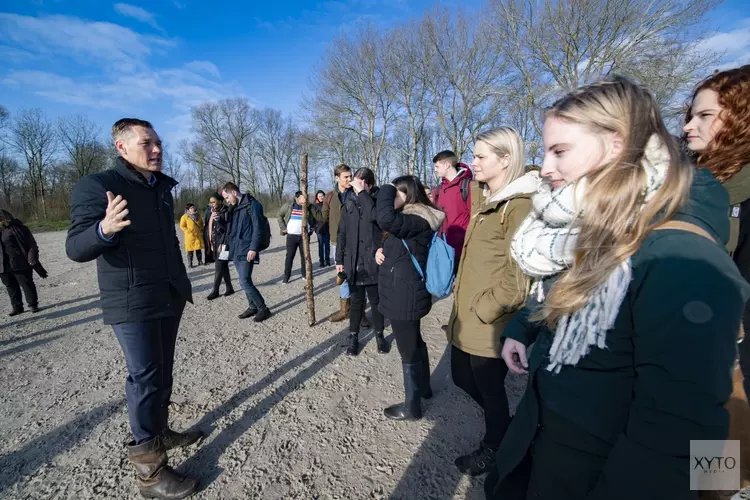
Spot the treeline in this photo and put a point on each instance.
(387, 99)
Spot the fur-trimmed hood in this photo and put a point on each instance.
(524, 185)
(432, 215)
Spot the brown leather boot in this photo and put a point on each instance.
(343, 312)
(154, 477)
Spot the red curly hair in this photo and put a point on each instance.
(729, 151)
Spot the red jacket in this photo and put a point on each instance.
(457, 211)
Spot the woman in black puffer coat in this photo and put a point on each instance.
(408, 219)
(359, 237)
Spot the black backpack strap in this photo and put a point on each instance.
(465, 183)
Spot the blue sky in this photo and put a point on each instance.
(156, 59)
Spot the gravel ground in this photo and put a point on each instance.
(289, 415)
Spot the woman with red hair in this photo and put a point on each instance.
(718, 133)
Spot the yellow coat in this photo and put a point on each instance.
(193, 232)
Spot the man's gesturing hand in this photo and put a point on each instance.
(114, 219)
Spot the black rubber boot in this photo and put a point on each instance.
(213, 295)
(174, 439)
(383, 346)
(154, 477)
(353, 348)
(34, 308)
(424, 384)
(16, 311)
(411, 408)
(190, 259)
(481, 461)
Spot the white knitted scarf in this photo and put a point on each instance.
(544, 246)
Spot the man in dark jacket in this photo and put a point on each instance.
(243, 238)
(124, 218)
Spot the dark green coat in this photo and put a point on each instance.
(618, 425)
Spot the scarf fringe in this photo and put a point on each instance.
(587, 327)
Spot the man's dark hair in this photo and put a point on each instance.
(366, 175)
(446, 155)
(189, 206)
(340, 169)
(123, 126)
(297, 194)
(229, 187)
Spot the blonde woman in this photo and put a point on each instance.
(634, 309)
(489, 286)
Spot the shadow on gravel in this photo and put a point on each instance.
(30, 345)
(45, 448)
(432, 465)
(296, 277)
(204, 464)
(58, 313)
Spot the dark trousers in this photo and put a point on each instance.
(245, 275)
(221, 272)
(357, 307)
(149, 354)
(198, 254)
(483, 379)
(14, 282)
(293, 244)
(408, 340)
(324, 249)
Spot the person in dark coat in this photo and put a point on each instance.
(323, 230)
(243, 238)
(634, 319)
(409, 220)
(20, 257)
(216, 229)
(717, 133)
(124, 219)
(359, 237)
(209, 256)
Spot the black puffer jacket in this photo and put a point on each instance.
(18, 248)
(403, 294)
(359, 238)
(219, 229)
(141, 271)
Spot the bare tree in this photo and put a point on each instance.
(410, 72)
(9, 170)
(172, 167)
(33, 137)
(225, 129)
(194, 154)
(80, 138)
(555, 47)
(354, 93)
(467, 74)
(277, 146)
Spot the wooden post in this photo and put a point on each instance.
(306, 249)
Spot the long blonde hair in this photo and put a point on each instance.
(506, 141)
(615, 218)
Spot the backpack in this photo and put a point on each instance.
(439, 270)
(265, 228)
(465, 183)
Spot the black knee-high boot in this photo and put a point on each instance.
(411, 408)
(190, 259)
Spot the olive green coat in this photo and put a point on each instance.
(489, 285)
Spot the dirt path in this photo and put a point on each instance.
(290, 416)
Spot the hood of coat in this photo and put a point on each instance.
(464, 172)
(433, 216)
(524, 185)
(707, 206)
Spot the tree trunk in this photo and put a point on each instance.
(306, 249)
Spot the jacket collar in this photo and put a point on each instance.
(738, 186)
(522, 187)
(163, 181)
(462, 173)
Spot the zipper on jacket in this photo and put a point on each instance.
(131, 274)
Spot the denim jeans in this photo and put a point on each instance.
(245, 275)
(148, 347)
(324, 249)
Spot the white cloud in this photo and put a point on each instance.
(179, 5)
(86, 41)
(734, 45)
(205, 67)
(138, 14)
